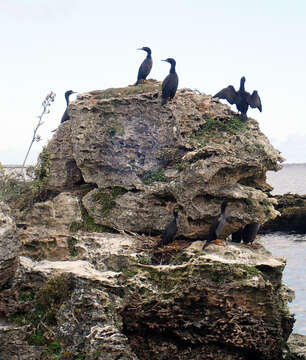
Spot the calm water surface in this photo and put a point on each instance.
(291, 178)
(293, 248)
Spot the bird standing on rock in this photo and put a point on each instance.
(217, 226)
(145, 67)
(65, 116)
(171, 229)
(241, 98)
(247, 234)
(170, 83)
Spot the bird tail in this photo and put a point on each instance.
(164, 101)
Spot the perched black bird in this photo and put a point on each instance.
(145, 67)
(249, 232)
(170, 232)
(217, 226)
(241, 98)
(170, 83)
(65, 116)
(237, 236)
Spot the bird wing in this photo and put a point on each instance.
(144, 69)
(229, 93)
(254, 101)
(166, 82)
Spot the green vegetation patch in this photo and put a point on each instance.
(20, 194)
(222, 273)
(107, 198)
(42, 171)
(151, 176)
(53, 292)
(114, 130)
(88, 224)
(72, 241)
(214, 128)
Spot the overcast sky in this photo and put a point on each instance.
(87, 45)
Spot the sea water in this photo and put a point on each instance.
(293, 248)
(291, 178)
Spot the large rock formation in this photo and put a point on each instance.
(91, 284)
(292, 208)
(143, 159)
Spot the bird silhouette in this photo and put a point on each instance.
(241, 98)
(247, 233)
(170, 83)
(65, 116)
(145, 67)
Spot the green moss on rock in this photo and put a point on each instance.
(107, 198)
(151, 176)
(215, 128)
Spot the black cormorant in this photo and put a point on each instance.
(65, 116)
(237, 236)
(217, 226)
(145, 66)
(170, 232)
(249, 232)
(241, 98)
(170, 83)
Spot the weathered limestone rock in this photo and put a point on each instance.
(292, 208)
(144, 159)
(297, 345)
(9, 245)
(221, 303)
(44, 230)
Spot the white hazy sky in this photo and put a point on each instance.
(87, 45)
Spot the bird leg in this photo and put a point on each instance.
(218, 242)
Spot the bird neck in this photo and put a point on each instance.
(67, 99)
(172, 69)
(241, 85)
(148, 55)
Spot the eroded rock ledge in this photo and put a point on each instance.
(118, 301)
(292, 208)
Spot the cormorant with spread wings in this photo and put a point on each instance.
(241, 98)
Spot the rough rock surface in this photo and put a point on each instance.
(44, 231)
(116, 301)
(297, 345)
(121, 164)
(144, 159)
(9, 245)
(292, 208)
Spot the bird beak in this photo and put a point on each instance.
(164, 60)
(74, 92)
(140, 49)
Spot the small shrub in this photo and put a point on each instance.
(151, 176)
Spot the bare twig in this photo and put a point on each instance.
(45, 104)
